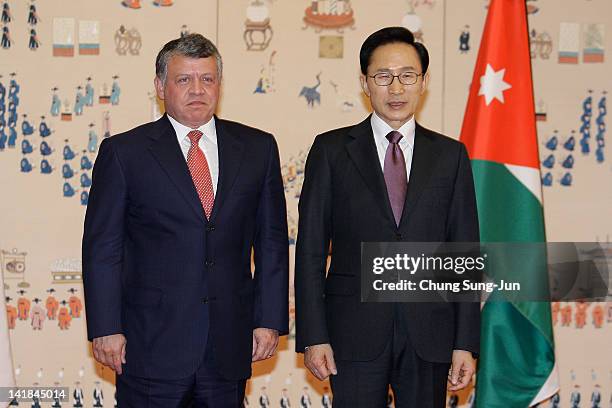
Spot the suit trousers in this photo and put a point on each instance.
(416, 383)
(206, 388)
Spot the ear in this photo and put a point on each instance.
(425, 82)
(364, 84)
(159, 88)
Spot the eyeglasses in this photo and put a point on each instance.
(387, 78)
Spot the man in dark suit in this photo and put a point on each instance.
(384, 179)
(176, 209)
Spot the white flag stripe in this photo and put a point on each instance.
(550, 387)
(529, 177)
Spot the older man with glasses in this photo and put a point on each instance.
(384, 179)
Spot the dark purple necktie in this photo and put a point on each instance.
(395, 175)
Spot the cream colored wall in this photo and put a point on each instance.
(36, 219)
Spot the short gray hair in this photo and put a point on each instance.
(190, 45)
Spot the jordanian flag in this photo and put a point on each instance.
(517, 361)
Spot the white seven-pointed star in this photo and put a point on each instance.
(492, 85)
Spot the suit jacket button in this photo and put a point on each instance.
(398, 236)
(210, 263)
(205, 300)
(210, 228)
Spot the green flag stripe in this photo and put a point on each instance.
(509, 212)
(517, 340)
(520, 358)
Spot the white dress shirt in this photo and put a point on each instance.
(381, 129)
(207, 143)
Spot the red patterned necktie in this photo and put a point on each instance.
(200, 173)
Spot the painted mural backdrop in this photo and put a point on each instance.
(73, 73)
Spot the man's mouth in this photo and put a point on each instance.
(396, 105)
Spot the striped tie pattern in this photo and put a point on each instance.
(396, 178)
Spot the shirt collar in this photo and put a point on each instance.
(381, 129)
(208, 129)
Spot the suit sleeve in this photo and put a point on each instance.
(102, 249)
(271, 249)
(312, 248)
(462, 226)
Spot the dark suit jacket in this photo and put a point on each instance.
(344, 200)
(156, 270)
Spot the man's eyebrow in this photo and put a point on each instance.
(398, 69)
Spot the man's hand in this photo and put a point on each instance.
(264, 343)
(320, 361)
(110, 351)
(462, 370)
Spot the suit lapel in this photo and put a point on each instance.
(167, 152)
(230, 158)
(424, 157)
(362, 150)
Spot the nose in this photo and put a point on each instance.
(396, 87)
(198, 87)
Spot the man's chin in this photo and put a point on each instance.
(199, 117)
(397, 117)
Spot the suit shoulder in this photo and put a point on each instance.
(336, 133)
(443, 141)
(243, 131)
(333, 138)
(133, 136)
